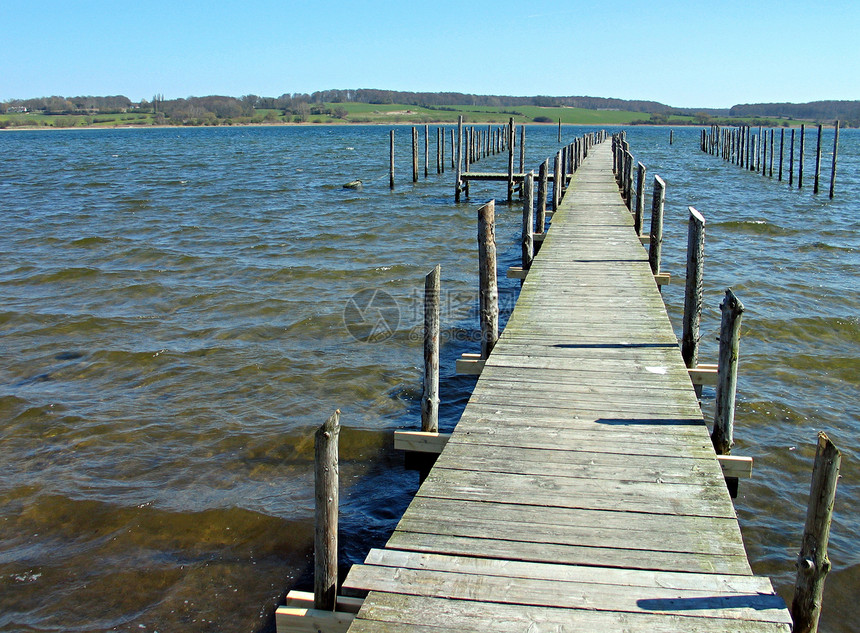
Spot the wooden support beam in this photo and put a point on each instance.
(303, 620)
(305, 600)
(539, 237)
(736, 466)
(470, 365)
(703, 374)
(663, 279)
(644, 240)
(517, 272)
(420, 441)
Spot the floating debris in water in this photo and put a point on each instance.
(353, 184)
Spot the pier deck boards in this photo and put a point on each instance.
(580, 490)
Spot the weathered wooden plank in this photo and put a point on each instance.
(397, 613)
(572, 554)
(571, 594)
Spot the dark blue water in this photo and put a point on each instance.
(173, 331)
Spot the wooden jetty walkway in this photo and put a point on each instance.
(580, 490)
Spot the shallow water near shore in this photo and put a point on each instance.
(173, 332)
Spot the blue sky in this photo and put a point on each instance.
(684, 53)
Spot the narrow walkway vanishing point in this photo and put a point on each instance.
(580, 490)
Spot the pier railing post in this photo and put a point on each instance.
(833, 167)
(556, 181)
(326, 499)
(640, 198)
(543, 187)
(693, 289)
(800, 156)
(522, 148)
(426, 150)
(812, 561)
(655, 244)
(628, 180)
(781, 148)
(722, 435)
(430, 399)
(528, 249)
(488, 278)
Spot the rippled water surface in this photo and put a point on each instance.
(173, 330)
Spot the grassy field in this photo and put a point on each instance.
(390, 114)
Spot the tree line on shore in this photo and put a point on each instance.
(299, 107)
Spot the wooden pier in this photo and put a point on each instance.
(580, 490)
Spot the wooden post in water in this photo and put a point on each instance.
(656, 241)
(781, 147)
(800, 156)
(439, 147)
(430, 399)
(414, 154)
(671, 137)
(833, 167)
(391, 162)
(693, 290)
(467, 157)
(791, 161)
(556, 181)
(459, 165)
(453, 149)
(543, 188)
(727, 380)
(426, 150)
(817, 161)
(640, 198)
(522, 148)
(510, 135)
(812, 561)
(488, 278)
(559, 130)
(770, 168)
(528, 241)
(326, 499)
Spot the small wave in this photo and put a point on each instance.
(755, 227)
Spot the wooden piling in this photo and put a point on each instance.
(543, 188)
(628, 180)
(833, 166)
(414, 154)
(693, 291)
(459, 164)
(656, 240)
(426, 151)
(556, 181)
(391, 161)
(781, 146)
(791, 161)
(326, 499)
(522, 148)
(510, 137)
(812, 561)
(453, 149)
(430, 398)
(770, 164)
(640, 198)
(528, 247)
(671, 137)
(800, 157)
(817, 162)
(440, 145)
(467, 157)
(488, 278)
(559, 130)
(722, 435)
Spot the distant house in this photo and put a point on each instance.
(17, 109)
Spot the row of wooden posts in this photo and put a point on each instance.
(479, 144)
(742, 146)
(812, 561)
